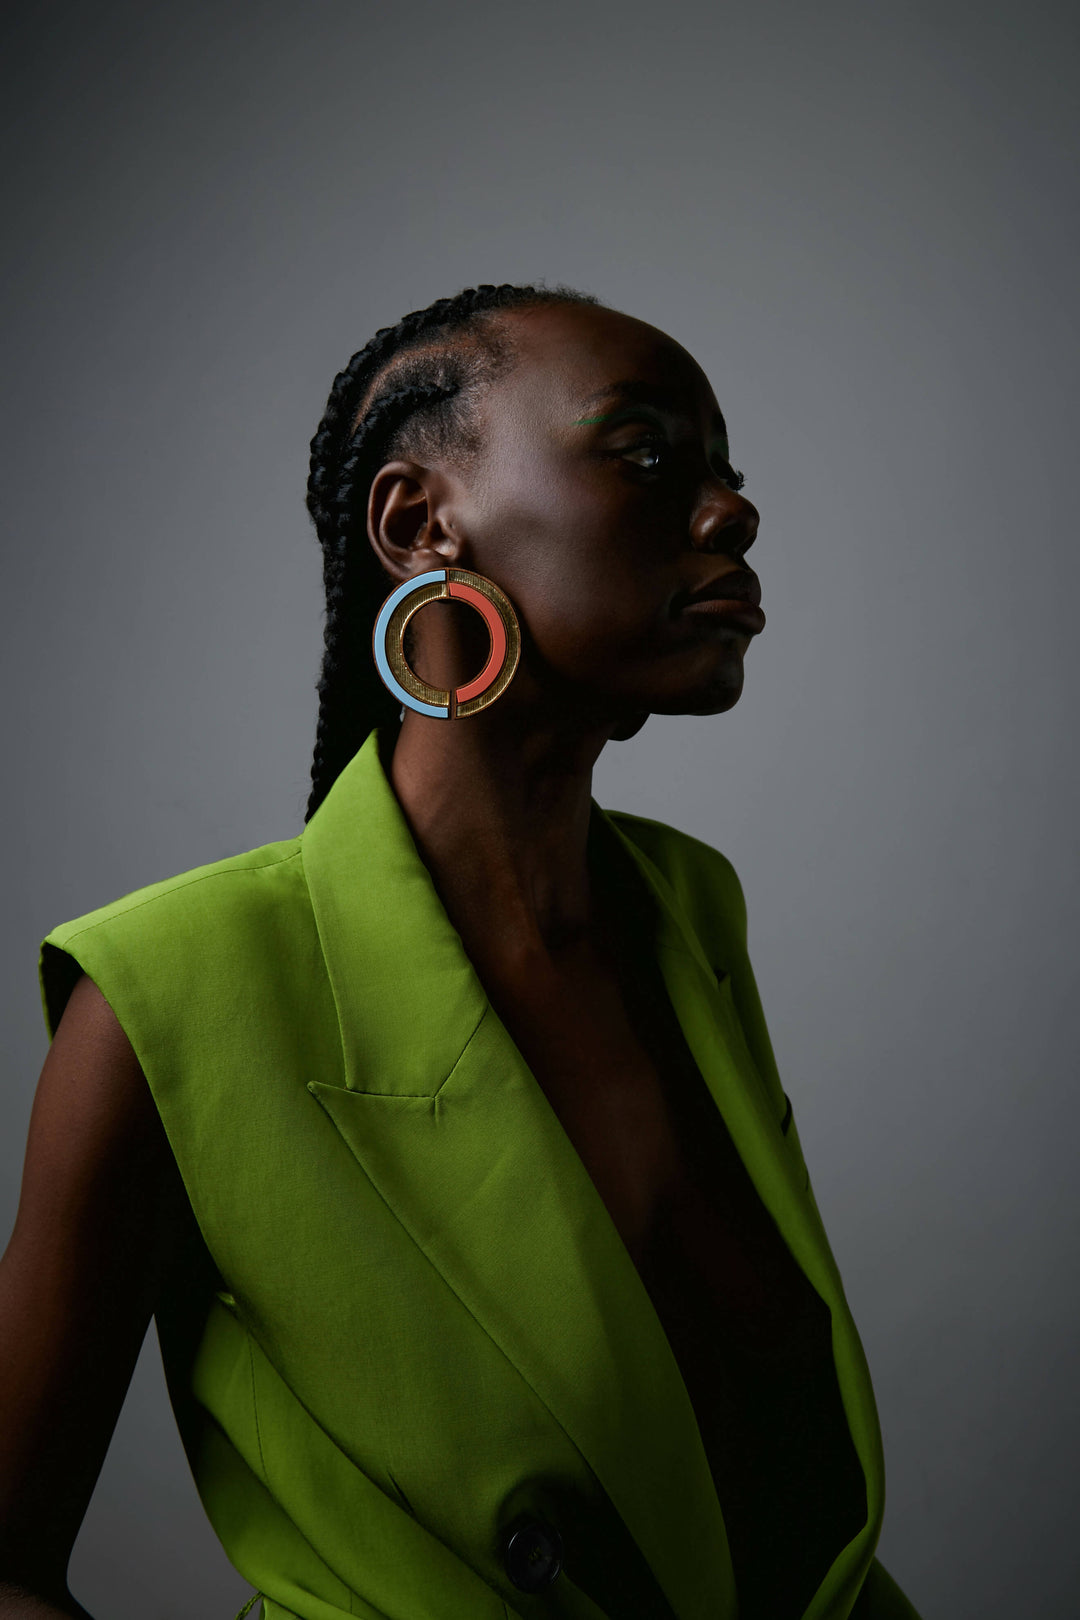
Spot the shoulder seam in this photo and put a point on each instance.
(190, 883)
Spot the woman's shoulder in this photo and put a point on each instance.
(698, 873)
(217, 884)
(197, 919)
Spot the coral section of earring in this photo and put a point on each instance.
(388, 643)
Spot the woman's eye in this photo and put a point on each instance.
(652, 454)
(648, 454)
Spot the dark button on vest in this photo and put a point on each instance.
(533, 1554)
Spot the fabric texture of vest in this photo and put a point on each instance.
(421, 1328)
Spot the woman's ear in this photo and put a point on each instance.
(403, 521)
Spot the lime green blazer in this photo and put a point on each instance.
(419, 1327)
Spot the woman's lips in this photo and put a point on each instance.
(741, 615)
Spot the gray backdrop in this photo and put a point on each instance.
(861, 219)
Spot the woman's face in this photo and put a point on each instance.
(601, 502)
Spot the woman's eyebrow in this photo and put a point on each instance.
(636, 391)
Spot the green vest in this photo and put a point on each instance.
(423, 1329)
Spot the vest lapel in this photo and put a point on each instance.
(444, 1116)
(702, 1001)
(446, 1119)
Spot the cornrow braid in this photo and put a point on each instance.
(420, 378)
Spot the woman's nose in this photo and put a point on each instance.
(724, 521)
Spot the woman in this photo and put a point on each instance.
(445, 1141)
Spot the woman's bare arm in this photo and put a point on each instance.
(101, 1213)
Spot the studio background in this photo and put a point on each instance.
(861, 220)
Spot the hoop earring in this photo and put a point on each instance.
(446, 584)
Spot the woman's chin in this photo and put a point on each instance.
(715, 697)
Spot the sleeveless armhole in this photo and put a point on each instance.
(58, 974)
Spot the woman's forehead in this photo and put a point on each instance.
(579, 356)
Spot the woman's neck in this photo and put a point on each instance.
(500, 814)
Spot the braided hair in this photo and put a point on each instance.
(412, 386)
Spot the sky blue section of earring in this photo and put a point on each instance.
(434, 711)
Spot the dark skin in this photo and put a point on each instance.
(101, 1215)
(597, 531)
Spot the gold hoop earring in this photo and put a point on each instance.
(447, 584)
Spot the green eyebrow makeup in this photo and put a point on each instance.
(646, 412)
